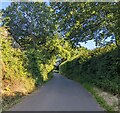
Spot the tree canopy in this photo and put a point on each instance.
(80, 22)
(30, 23)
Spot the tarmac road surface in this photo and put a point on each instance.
(59, 94)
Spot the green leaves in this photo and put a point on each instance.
(97, 67)
(29, 20)
(14, 66)
(80, 21)
(28, 67)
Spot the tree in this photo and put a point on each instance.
(80, 22)
(30, 23)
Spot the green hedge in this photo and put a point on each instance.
(99, 67)
(15, 77)
(22, 70)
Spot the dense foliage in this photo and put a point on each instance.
(75, 21)
(15, 77)
(30, 67)
(30, 23)
(88, 20)
(99, 67)
(22, 69)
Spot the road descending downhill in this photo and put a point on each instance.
(59, 94)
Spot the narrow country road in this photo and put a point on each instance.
(59, 94)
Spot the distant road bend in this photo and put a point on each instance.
(59, 94)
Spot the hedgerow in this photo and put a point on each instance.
(15, 77)
(22, 70)
(99, 67)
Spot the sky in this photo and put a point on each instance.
(4, 4)
(90, 44)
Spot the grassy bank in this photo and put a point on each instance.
(99, 98)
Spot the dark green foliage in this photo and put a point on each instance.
(82, 21)
(22, 70)
(99, 67)
(30, 23)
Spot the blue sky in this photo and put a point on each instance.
(90, 44)
(4, 4)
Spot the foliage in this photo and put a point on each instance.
(88, 20)
(58, 47)
(77, 22)
(99, 67)
(21, 70)
(39, 66)
(14, 75)
(30, 67)
(30, 22)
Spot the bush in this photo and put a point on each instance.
(22, 70)
(98, 67)
(39, 66)
(15, 77)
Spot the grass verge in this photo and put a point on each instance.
(10, 100)
(99, 99)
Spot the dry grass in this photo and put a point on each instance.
(111, 100)
(8, 100)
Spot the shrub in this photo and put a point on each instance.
(99, 67)
(22, 70)
(15, 76)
